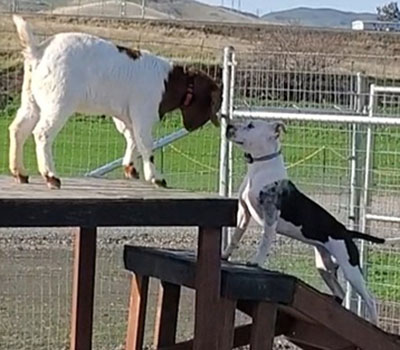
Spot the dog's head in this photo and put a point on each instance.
(256, 137)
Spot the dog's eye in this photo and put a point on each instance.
(250, 126)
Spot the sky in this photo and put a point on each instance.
(266, 6)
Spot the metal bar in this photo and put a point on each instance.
(392, 89)
(392, 219)
(365, 197)
(162, 142)
(329, 118)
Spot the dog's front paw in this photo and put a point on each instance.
(159, 183)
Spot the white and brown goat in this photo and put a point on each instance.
(76, 72)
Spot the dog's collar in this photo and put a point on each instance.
(250, 159)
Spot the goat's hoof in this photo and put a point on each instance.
(21, 179)
(131, 172)
(160, 183)
(53, 183)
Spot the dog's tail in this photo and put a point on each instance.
(26, 37)
(365, 237)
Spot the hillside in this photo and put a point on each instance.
(321, 17)
(156, 9)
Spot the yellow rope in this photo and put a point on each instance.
(306, 158)
(184, 155)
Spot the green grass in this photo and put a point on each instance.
(315, 153)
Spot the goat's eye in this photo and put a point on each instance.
(250, 126)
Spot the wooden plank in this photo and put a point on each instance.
(227, 326)
(117, 212)
(327, 312)
(208, 280)
(263, 328)
(305, 334)
(83, 288)
(237, 281)
(167, 315)
(137, 313)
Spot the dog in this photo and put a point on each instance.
(276, 204)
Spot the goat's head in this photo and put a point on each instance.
(197, 95)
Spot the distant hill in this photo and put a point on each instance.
(321, 17)
(160, 9)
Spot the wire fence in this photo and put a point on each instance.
(320, 154)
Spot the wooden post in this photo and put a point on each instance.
(137, 313)
(227, 328)
(167, 315)
(83, 288)
(263, 328)
(208, 284)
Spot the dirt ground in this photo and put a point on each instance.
(35, 288)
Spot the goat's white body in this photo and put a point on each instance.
(76, 72)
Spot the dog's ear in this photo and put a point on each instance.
(279, 127)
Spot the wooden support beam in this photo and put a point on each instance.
(227, 327)
(208, 284)
(340, 321)
(83, 288)
(263, 328)
(167, 315)
(137, 312)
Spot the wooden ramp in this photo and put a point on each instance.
(306, 317)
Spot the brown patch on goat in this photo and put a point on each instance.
(131, 172)
(195, 93)
(132, 53)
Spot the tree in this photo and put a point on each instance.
(389, 12)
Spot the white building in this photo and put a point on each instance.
(377, 26)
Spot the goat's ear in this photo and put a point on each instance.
(279, 127)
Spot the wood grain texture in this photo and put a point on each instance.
(167, 315)
(208, 282)
(137, 313)
(98, 202)
(263, 327)
(83, 288)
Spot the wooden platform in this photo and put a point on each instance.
(88, 203)
(308, 318)
(101, 202)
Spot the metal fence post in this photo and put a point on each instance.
(224, 160)
(355, 175)
(366, 194)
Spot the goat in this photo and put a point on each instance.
(77, 72)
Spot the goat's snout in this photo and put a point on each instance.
(230, 130)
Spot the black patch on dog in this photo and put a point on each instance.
(315, 222)
(132, 53)
(152, 159)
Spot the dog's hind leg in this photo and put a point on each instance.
(327, 268)
(352, 272)
(243, 219)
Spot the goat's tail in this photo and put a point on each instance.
(28, 40)
(365, 237)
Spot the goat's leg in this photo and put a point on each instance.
(49, 125)
(21, 127)
(19, 130)
(327, 268)
(243, 219)
(130, 158)
(142, 128)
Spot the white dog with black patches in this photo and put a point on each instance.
(275, 203)
(78, 72)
